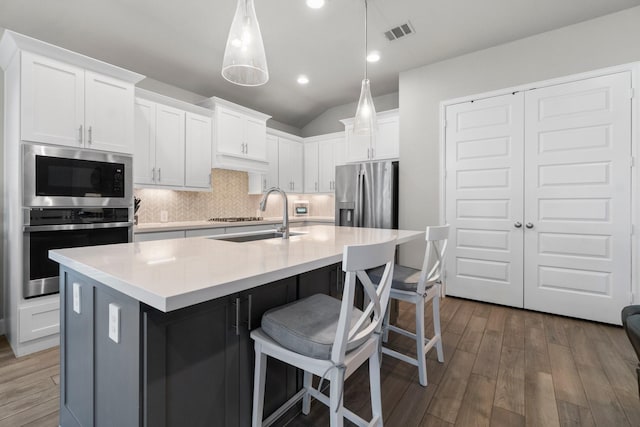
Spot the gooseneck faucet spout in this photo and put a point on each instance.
(284, 229)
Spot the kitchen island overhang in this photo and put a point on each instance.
(173, 274)
(180, 352)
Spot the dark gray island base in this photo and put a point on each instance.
(188, 367)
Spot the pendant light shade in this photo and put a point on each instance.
(365, 122)
(245, 62)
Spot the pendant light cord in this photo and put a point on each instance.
(366, 47)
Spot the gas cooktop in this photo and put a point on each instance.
(236, 219)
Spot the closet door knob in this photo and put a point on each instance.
(517, 224)
(529, 225)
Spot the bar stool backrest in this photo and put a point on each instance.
(356, 260)
(437, 238)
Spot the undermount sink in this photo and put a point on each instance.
(256, 235)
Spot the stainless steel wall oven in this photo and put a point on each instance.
(71, 198)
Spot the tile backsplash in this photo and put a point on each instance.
(229, 197)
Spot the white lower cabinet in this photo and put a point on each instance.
(158, 235)
(38, 320)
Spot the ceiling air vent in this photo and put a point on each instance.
(400, 31)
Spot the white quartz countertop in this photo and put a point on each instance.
(173, 274)
(195, 225)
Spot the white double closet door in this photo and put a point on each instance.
(538, 195)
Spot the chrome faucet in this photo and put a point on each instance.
(285, 213)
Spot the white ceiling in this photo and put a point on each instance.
(181, 42)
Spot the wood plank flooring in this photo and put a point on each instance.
(503, 367)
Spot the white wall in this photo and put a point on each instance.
(610, 40)
(329, 121)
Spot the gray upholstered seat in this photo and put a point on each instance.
(308, 326)
(404, 278)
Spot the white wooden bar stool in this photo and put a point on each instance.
(419, 287)
(329, 338)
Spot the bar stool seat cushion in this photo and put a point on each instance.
(308, 326)
(404, 278)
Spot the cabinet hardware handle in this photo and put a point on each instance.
(264, 184)
(237, 325)
(90, 132)
(81, 135)
(529, 225)
(246, 148)
(153, 174)
(159, 174)
(249, 312)
(517, 224)
(373, 153)
(316, 186)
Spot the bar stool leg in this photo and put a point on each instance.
(336, 407)
(306, 400)
(436, 327)
(258, 386)
(375, 387)
(421, 357)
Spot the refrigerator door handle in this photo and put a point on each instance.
(358, 214)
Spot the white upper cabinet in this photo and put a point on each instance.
(170, 146)
(52, 101)
(322, 154)
(198, 151)
(260, 182)
(290, 167)
(384, 144)
(239, 136)
(172, 143)
(311, 167)
(67, 105)
(144, 153)
(108, 113)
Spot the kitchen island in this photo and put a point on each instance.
(157, 333)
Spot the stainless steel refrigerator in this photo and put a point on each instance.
(367, 195)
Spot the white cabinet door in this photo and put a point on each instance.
(311, 167)
(358, 146)
(296, 157)
(230, 132)
(255, 139)
(339, 152)
(290, 174)
(52, 101)
(271, 177)
(108, 113)
(144, 153)
(170, 142)
(198, 151)
(326, 168)
(577, 198)
(257, 183)
(387, 139)
(484, 199)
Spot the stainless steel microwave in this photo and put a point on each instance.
(67, 177)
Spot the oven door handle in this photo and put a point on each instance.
(69, 227)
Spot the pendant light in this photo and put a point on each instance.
(365, 122)
(245, 62)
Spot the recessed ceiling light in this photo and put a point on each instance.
(303, 80)
(315, 4)
(373, 56)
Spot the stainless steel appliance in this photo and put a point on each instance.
(57, 228)
(68, 177)
(367, 195)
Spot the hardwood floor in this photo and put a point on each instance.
(503, 367)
